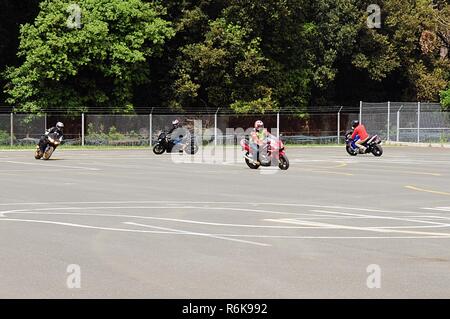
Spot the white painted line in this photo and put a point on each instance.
(81, 226)
(411, 227)
(34, 212)
(199, 234)
(443, 209)
(223, 235)
(259, 211)
(318, 225)
(336, 237)
(55, 166)
(243, 204)
(380, 217)
(2, 214)
(438, 217)
(372, 229)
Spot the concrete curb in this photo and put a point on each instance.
(441, 145)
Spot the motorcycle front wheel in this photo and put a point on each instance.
(351, 151)
(48, 153)
(158, 149)
(284, 163)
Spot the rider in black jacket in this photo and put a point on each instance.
(58, 129)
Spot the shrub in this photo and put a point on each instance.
(4, 138)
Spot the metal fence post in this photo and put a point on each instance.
(278, 125)
(12, 128)
(215, 128)
(389, 121)
(398, 123)
(45, 121)
(339, 125)
(150, 128)
(82, 129)
(360, 111)
(418, 122)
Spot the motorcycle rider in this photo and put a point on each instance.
(258, 136)
(175, 125)
(58, 129)
(176, 139)
(360, 130)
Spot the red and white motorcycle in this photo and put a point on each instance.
(271, 153)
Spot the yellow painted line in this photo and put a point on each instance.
(341, 165)
(396, 171)
(328, 167)
(420, 173)
(426, 190)
(331, 172)
(318, 170)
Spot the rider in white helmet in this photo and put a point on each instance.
(58, 129)
(258, 136)
(175, 125)
(176, 134)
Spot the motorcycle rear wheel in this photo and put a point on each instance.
(191, 149)
(377, 150)
(251, 164)
(38, 154)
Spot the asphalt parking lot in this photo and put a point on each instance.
(144, 226)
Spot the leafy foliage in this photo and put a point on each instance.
(97, 64)
(246, 55)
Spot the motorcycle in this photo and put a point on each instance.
(372, 145)
(51, 142)
(165, 144)
(272, 151)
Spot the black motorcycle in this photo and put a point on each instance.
(165, 144)
(372, 145)
(49, 145)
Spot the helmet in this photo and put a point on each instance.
(175, 122)
(59, 126)
(355, 123)
(259, 124)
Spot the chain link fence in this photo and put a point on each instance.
(116, 130)
(393, 121)
(412, 122)
(5, 130)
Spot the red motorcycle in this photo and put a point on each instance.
(272, 152)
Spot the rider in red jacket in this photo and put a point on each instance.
(360, 130)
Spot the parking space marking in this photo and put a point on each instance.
(427, 190)
(55, 166)
(200, 234)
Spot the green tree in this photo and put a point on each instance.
(12, 14)
(407, 47)
(222, 70)
(445, 99)
(74, 67)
